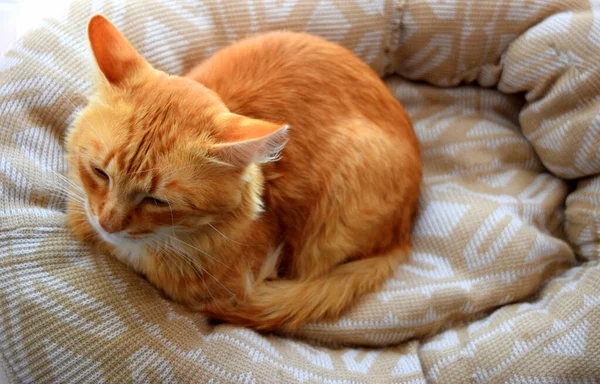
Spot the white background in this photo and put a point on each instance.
(19, 16)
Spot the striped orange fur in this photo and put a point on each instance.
(271, 186)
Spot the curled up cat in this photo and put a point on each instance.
(273, 185)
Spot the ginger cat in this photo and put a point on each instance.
(273, 185)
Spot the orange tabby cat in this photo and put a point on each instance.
(273, 185)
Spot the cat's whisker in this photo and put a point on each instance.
(89, 236)
(74, 189)
(71, 194)
(172, 253)
(78, 210)
(59, 194)
(182, 254)
(219, 282)
(174, 237)
(66, 189)
(75, 199)
(199, 274)
(225, 237)
(176, 257)
(210, 293)
(75, 194)
(203, 252)
(165, 252)
(67, 180)
(80, 218)
(79, 222)
(164, 246)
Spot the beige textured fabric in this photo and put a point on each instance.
(504, 281)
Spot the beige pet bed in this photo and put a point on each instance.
(504, 281)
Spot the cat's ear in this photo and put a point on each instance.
(244, 141)
(116, 57)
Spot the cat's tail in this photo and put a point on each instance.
(289, 304)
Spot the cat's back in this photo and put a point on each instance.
(273, 55)
(279, 71)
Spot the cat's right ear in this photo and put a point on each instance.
(117, 59)
(244, 141)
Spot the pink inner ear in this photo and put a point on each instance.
(250, 141)
(236, 128)
(116, 57)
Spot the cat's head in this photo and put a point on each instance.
(156, 155)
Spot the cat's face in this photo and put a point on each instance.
(157, 156)
(142, 160)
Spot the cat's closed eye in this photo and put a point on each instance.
(101, 174)
(154, 201)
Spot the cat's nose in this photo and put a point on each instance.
(109, 225)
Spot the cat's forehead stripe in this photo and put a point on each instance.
(136, 161)
(85, 177)
(109, 158)
(146, 133)
(154, 180)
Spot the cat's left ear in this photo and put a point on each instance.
(116, 57)
(244, 141)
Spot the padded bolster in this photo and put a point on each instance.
(450, 42)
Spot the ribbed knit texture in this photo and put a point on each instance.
(504, 281)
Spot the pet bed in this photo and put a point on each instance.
(502, 286)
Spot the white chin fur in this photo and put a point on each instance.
(133, 251)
